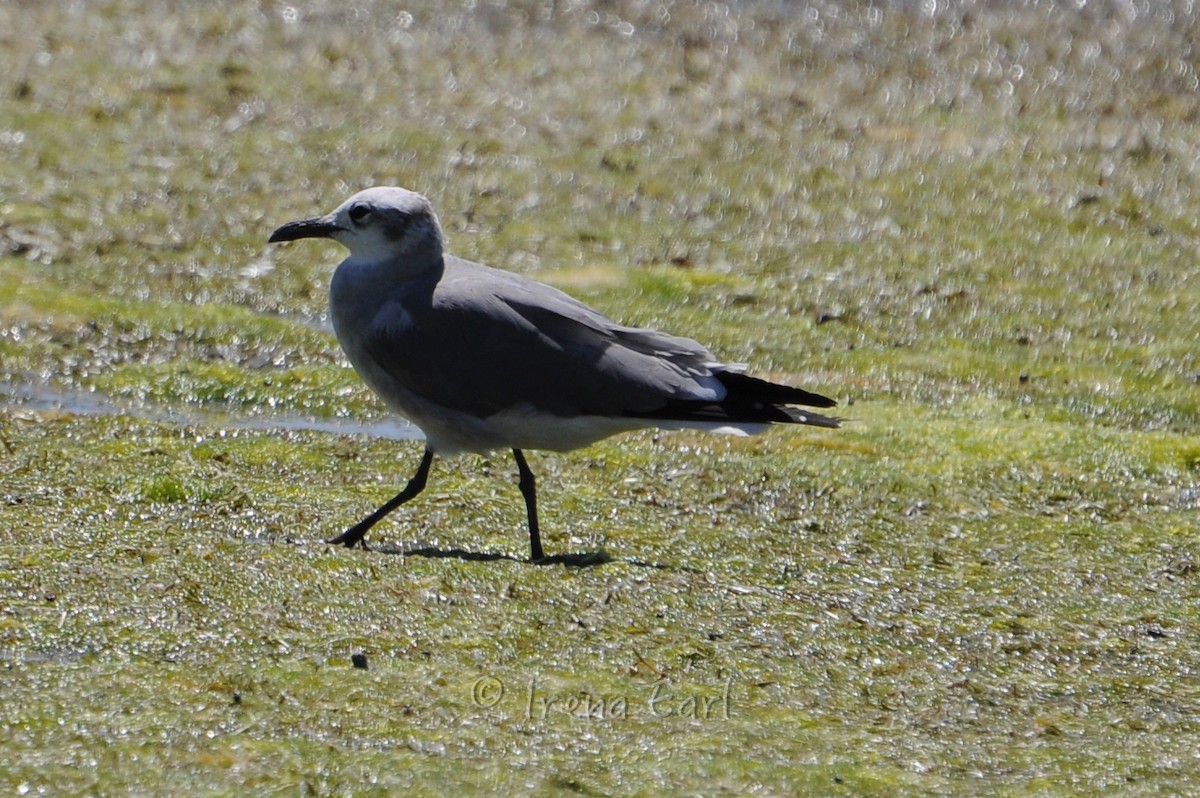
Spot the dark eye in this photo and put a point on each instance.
(359, 212)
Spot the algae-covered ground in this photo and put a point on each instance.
(973, 224)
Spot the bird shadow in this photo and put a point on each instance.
(582, 559)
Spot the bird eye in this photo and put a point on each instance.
(359, 212)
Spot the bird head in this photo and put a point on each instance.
(378, 224)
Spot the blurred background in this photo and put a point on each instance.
(974, 223)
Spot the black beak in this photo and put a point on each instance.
(320, 227)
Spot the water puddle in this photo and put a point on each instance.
(46, 398)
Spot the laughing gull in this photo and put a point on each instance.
(482, 359)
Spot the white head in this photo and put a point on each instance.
(379, 224)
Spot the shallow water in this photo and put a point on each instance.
(45, 397)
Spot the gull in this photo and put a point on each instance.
(482, 359)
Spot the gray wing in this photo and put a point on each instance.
(486, 340)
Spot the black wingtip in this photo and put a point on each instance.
(746, 387)
(749, 400)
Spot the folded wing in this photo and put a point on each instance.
(515, 342)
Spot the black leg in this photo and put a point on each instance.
(355, 534)
(529, 491)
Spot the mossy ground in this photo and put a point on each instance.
(976, 228)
